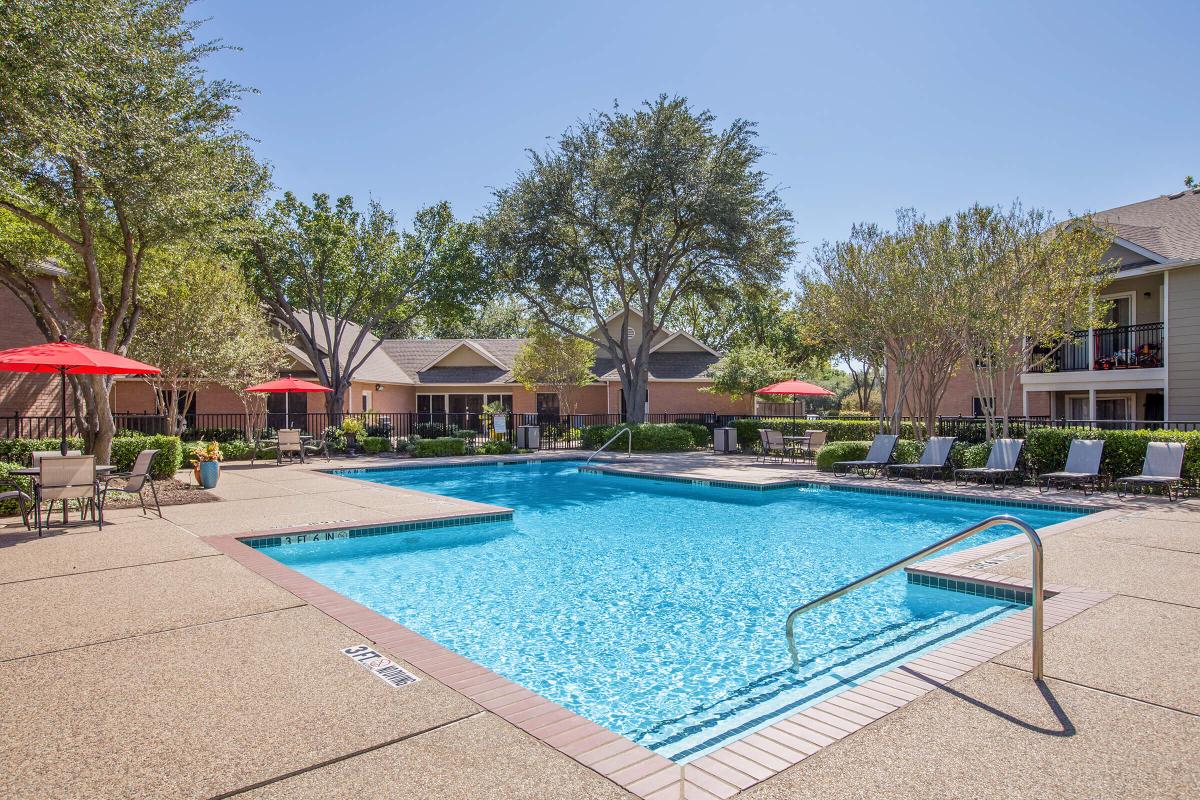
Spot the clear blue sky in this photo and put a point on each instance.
(865, 107)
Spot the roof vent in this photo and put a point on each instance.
(1176, 196)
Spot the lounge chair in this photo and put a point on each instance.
(773, 444)
(135, 482)
(877, 458)
(66, 478)
(816, 440)
(1082, 469)
(934, 458)
(1001, 464)
(1162, 467)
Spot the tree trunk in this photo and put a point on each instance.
(335, 404)
(102, 436)
(635, 386)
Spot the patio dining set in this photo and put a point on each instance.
(74, 477)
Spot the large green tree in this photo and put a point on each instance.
(114, 144)
(630, 214)
(335, 276)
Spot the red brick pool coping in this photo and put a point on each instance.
(738, 765)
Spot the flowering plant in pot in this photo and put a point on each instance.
(352, 427)
(206, 463)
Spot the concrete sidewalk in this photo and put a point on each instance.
(141, 662)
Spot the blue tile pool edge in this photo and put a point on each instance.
(260, 542)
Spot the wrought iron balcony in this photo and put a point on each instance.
(1122, 347)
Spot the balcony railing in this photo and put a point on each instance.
(1122, 347)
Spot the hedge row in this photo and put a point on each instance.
(442, 446)
(839, 430)
(1046, 449)
(125, 449)
(907, 452)
(647, 437)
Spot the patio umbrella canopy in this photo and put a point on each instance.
(795, 389)
(69, 358)
(287, 386)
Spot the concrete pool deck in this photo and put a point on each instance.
(141, 661)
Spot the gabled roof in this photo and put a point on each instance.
(378, 368)
(684, 335)
(1168, 227)
(665, 366)
(468, 344)
(418, 358)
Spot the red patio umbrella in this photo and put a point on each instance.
(69, 358)
(287, 386)
(795, 389)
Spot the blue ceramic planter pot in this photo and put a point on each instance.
(209, 472)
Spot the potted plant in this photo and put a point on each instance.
(352, 427)
(206, 463)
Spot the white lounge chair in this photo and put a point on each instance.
(934, 458)
(878, 457)
(1162, 467)
(1082, 468)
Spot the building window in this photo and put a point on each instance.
(977, 405)
(366, 401)
(547, 406)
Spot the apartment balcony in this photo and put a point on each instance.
(1133, 356)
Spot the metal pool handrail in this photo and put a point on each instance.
(1035, 548)
(613, 438)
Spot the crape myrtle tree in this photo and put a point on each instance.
(114, 143)
(630, 214)
(335, 276)
(1032, 283)
(558, 362)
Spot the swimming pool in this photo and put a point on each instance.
(656, 608)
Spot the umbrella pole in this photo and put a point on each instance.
(62, 447)
(287, 409)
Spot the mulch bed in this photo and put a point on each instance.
(170, 493)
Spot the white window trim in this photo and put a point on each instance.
(1130, 402)
(1131, 296)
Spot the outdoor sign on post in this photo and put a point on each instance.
(499, 423)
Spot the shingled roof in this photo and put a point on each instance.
(411, 355)
(1168, 226)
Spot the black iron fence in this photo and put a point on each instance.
(974, 429)
(1122, 347)
(557, 432)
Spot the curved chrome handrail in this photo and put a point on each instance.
(1035, 547)
(613, 438)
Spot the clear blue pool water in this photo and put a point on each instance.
(657, 608)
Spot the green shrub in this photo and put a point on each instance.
(647, 438)
(839, 430)
(907, 452)
(840, 451)
(166, 462)
(700, 434)
(974, 456)
(23, 481)
(234, 450)
(20, 451)
(376, 444)
(442, 446)
(853, 415)
(495, 447)
(1046, 449)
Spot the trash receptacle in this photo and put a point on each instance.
(725, 440)
(529, 437)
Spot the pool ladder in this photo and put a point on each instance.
(1035, 549)
(628, 451)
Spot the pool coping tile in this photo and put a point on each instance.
(756, 754)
